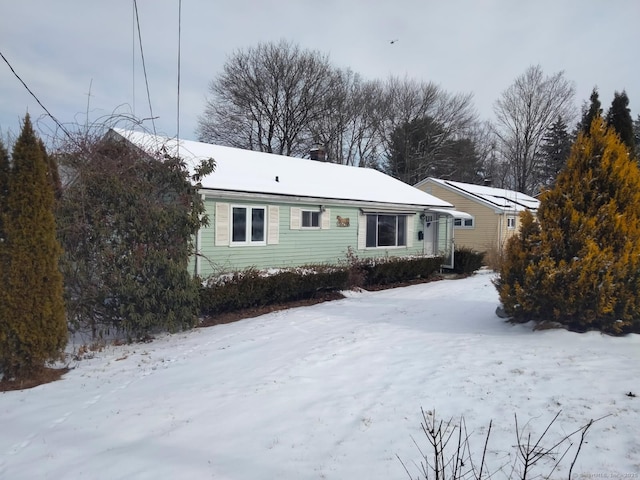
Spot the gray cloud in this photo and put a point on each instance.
(60, 48)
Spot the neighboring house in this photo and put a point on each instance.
(270, 211)
(495, 211)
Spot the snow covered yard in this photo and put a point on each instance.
(329, 391)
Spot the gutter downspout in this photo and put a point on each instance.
(423, 217)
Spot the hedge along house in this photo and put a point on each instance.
(494, 211)
(272, 211)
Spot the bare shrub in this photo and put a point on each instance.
(450, 456)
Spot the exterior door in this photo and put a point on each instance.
(445, 240)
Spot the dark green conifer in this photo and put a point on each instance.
(4, 182)
(636, 133)
(619, 118)
(33, 327)
(594, 110)
(582, 267)
(556, 146)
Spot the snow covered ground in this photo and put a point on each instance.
(329, 391)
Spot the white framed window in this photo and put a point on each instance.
(464, 222)
(384, 230)
(248, 225)
(511, 222)
(310, 219)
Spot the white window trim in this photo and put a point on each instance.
(463, 226)
(409, 219)
(295, 218)
(315, 227)
(511, 227)
(248, 241)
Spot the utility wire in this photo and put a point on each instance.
(144, 68)
(178, 99)
(133, 58)
(36, 98)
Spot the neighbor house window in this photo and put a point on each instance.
(511, 223)
(386, 230)
(310, 219)
(248, 225)
(463, 222)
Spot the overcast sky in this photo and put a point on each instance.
(65, 49)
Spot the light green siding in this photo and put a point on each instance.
(327, 244)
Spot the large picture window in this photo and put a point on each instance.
(386, 230)
(248, 225)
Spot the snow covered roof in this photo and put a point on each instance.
(507, 200)
(249, 171)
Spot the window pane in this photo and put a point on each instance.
(468, 222)
(310, 219)
(457, 222)
(372, 227)
(239, 224)
(402, 230)
(386, 230)
(257, 224)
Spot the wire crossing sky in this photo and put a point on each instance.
(63, 49)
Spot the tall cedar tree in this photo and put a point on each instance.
(636, 134)
(33, 327)
(619, 118)
(594, 110)
(127, 225)
(4, 183)
(581, 265)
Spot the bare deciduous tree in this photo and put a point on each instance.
(524, 112)
(265, 99)
(348, 130)
(422, 120)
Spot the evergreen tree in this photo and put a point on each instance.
(594, 110)
(4, 182)
(52, 171)
(636, 133)
(556, 147)
(4, 257)
(619, 118)
(33, 327)
(414, 150)
(582, 266)
(127, 225)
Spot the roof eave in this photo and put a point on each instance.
(283, 198)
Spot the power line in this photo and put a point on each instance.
(133, 57)
(178, 99)
(144, 68)
(36, 98)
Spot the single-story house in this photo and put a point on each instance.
(494, 211)
(271, 211)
